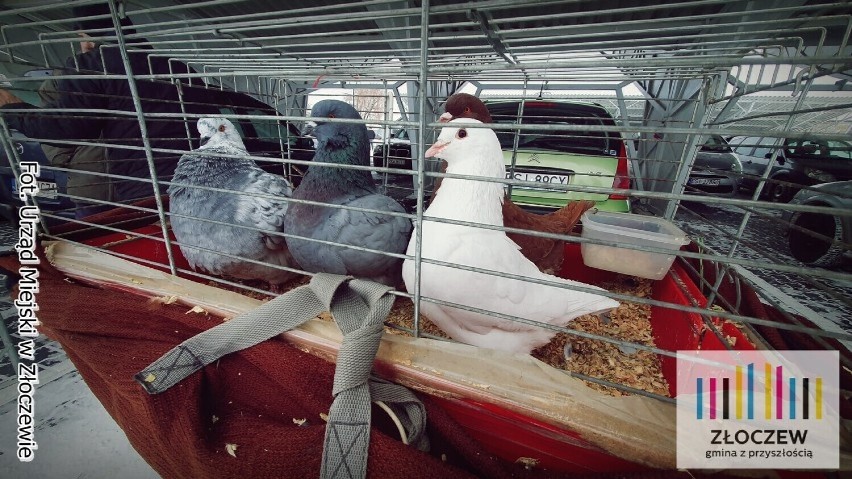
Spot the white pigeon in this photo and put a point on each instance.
(476, 152)
(202, 242)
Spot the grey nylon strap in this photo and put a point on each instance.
(359, 307)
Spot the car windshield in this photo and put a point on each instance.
(573, 139)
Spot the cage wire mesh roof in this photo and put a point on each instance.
(324, 42)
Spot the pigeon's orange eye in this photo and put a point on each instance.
(222, 128)
(331, 115)
(467, 109)
(461, 134)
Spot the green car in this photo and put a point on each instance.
(573, 156)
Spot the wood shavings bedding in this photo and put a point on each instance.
(629, 322)
(603, 360)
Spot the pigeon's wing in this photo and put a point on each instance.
(495, 252)
(375, 231)
(541, 302)
(263, 204)
(347, 227)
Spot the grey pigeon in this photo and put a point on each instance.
(207, 167)
(345, 143)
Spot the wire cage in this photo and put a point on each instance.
(728, 120)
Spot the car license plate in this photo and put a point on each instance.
(705, 181)
(539, 178)
(46, 189)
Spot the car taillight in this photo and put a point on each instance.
(621, 181)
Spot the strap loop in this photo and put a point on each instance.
(360, 308)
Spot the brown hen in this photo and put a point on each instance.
(546, 253)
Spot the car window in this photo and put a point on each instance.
(840, 149)
(763, 152)
(572, 141)
(742, 146)
(807, 147)
(752, 146)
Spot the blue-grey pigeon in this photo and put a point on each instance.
(259, 200)
(347, 144)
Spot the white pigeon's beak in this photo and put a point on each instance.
(436, 148)
(204, 140)
(445, 117)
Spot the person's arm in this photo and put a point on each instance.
(72, 94)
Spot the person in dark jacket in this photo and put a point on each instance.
(117, 125)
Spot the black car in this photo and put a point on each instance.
(799, 163)
(271, 138)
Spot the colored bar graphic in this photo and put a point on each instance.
(779, 393)
(818, 398)
(792, 398)
(712, 398)
(750, 390)
(767, 368)
(699, 391)
(739, 386)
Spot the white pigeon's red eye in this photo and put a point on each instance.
(222, 128)
(461, 134)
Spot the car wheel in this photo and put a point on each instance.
(813, 250)
(780, 192)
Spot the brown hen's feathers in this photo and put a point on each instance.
(462, 105)
(546, 253)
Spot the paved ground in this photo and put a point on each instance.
(77, 438)
(764, 241)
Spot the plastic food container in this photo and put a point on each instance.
(638, 230)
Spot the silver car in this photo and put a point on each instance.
(716, 171)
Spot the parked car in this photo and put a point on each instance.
(716, 171)
(262, 138)
(799, 163)
(575, 157)
(395, 152)
(817, 239)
